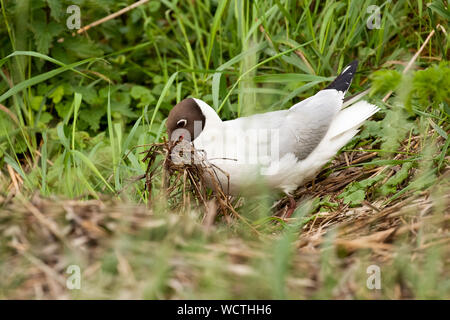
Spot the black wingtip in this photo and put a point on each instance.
(343, 81)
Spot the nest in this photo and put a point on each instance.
(187, 177)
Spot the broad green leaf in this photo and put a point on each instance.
(57, 94)
(45, 33)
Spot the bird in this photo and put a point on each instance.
(281, 149)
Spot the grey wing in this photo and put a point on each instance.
(307, 122)
(298, 130)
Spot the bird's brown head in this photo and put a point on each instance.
(185, 120)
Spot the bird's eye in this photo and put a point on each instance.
(181, 123)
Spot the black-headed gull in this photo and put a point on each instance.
(283, 149)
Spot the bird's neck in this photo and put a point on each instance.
(212, 118)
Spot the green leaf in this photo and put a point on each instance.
(57, 94)
(432, 84)
(142, 94)
(394, 127)
(122, 108)
(92, 116)
(391, 185)
(45, 33)
(154, 6)
(56, 9)
(355, 193)
(90, 95)
(371, 129)
(39, 78)
(384, 81)
(45, 118)
(438, 7)
(63, 109)
(36, 102)
(355, 198)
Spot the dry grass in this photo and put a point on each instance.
(184, 171)
(42, 235)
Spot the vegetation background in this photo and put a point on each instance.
(74, 108)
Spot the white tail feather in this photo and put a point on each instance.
(343, 128)
(351, 118)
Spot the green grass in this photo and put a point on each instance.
(75, 115)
